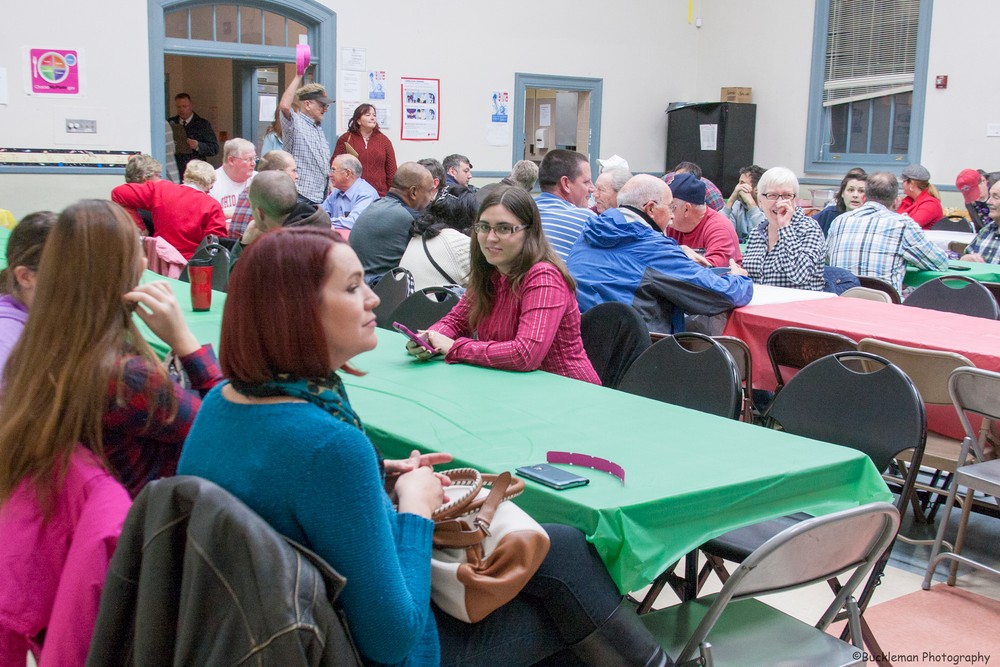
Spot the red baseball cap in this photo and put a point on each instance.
(968, 184)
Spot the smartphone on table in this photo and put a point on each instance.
(549, 475)
(403, 329)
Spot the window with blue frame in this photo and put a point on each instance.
(867, 90)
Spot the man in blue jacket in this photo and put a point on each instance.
(623, 255)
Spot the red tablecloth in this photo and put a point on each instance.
(974, 337)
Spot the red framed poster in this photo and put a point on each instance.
(420, 102)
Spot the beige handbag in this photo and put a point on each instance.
(485, 548)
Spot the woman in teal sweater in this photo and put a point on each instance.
(283, 438)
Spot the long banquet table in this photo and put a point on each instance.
(979, 271)
(976, 338)
(689, 476)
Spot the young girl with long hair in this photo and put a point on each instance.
(83, 373)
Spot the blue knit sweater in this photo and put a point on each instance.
(315, 479)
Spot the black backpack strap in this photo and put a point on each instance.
(451, 281)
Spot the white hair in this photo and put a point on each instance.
(777, 177)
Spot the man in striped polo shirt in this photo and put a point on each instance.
(564, 177)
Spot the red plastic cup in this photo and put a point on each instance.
(200, 273)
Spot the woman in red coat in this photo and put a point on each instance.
(365, 140)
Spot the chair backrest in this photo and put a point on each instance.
(958, 247)
(994, 289)
(872, 407)
(867, 294)
(808, 552)
(706, 380)
(977, 221)
(424, 307)
(614, 335)
(740, 352)
(929, 369)
(794, 347)
(955, 294)
(977, 391)
(953, 223)
(392, 289)
(221, 263)
(880, 285)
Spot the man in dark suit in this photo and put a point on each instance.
(201, 137)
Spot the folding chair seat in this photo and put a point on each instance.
(733, 628)
(978, 392)
(392, 289)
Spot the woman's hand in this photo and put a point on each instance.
(417, 350)
(439, 341)
(419, 491)
(784, 211)
(157, 307)
(973, 257)
(396, 467)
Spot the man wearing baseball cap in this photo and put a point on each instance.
(699, 227)
(974, 191)
(303, 136)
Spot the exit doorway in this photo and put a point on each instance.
(556, 112)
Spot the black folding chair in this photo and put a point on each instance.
(424, 307)
(953, 223)
(392, 289)
(221, 264)
(796, 348)
(614, 335)
(955, 294)
(706, 380)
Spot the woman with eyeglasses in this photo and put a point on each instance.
(365, 141)
(520, 302)
(787, 249)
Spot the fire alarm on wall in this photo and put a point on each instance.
(941, 81)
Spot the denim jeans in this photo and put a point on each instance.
(567, 599)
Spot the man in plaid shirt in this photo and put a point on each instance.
(986, 246)
(872, 240)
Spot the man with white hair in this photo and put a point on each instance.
(238, 160)
(350, 194)
(607, 186)
(622, 255)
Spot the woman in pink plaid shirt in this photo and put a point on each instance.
(521, 300)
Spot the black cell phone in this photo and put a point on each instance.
(548, 475)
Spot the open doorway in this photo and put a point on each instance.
(556, 112)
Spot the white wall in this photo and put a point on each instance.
(115, 67)
(646, 53)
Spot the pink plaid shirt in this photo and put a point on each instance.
(536, 328)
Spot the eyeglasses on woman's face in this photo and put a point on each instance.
(501, 229)
(775, 196)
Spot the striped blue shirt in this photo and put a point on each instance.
(562, 222)
(874, 241)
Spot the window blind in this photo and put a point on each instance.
(871, 49)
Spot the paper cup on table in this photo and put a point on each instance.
(200, 274)
(303, 55)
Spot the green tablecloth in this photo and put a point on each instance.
(205, 325)
(689, 476)
(984, 273)
(4, 235)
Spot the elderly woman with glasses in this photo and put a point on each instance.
(787, 249)
(520, 301)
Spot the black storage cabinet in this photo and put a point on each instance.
(734, 140)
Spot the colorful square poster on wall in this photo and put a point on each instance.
(54, 72)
